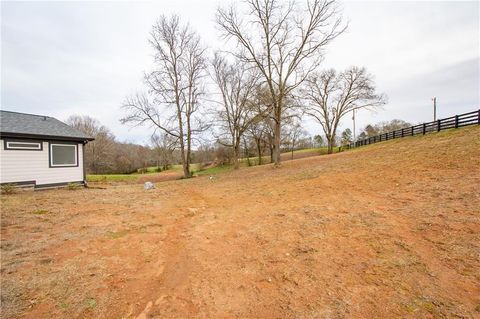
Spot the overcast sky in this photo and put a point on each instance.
(64, 58)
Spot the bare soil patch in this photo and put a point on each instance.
(391, 230)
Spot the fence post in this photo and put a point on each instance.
(386, 136)
(393, 134)
(412, 130)
(456, 121)
(479, 117)
(402, 132)
(423, 128)
(439, 125)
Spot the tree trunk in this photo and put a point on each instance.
(246, 152)
(331, 141)
(259, 150)
(189, 144)
(236, 150)
(293, 148)
(276, 143)
(186, 168)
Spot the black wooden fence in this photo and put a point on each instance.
(456, 121)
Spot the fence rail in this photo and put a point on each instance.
(456, 121)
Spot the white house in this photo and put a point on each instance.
(40, 151)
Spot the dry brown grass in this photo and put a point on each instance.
(388, 230)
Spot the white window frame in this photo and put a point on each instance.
(63, 165)
(39, 144)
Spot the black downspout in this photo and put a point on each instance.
(83, 164)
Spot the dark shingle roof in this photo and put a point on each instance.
(14, 124)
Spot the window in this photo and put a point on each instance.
(63, 155)
(23, 145)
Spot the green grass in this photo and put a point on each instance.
(215, 170)
(175, 168)
(178, 167)
(134, 176)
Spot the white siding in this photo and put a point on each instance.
(22, 165)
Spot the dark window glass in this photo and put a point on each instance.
(64, 155)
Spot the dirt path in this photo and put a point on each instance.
(174, 270)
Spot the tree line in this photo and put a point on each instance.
(107, 155)
(252, 94)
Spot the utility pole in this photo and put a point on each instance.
(353, 118)
(434, 108)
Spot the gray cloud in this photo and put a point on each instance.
(64, 58)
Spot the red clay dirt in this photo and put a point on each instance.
(390, 230)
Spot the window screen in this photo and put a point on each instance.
(63, 155)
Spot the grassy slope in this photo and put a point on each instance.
(129, 178)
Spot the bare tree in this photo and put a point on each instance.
(175, 86)
(332, 95)
(346, 137)
(318, 140)
(237, 84)
(258, 132)
(163, 146)
(293, 133)
(99, 153)
(284, 42)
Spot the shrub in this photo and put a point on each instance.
(142, 170)
(7, 189)
(73, 186)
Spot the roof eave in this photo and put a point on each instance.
(46, 137)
